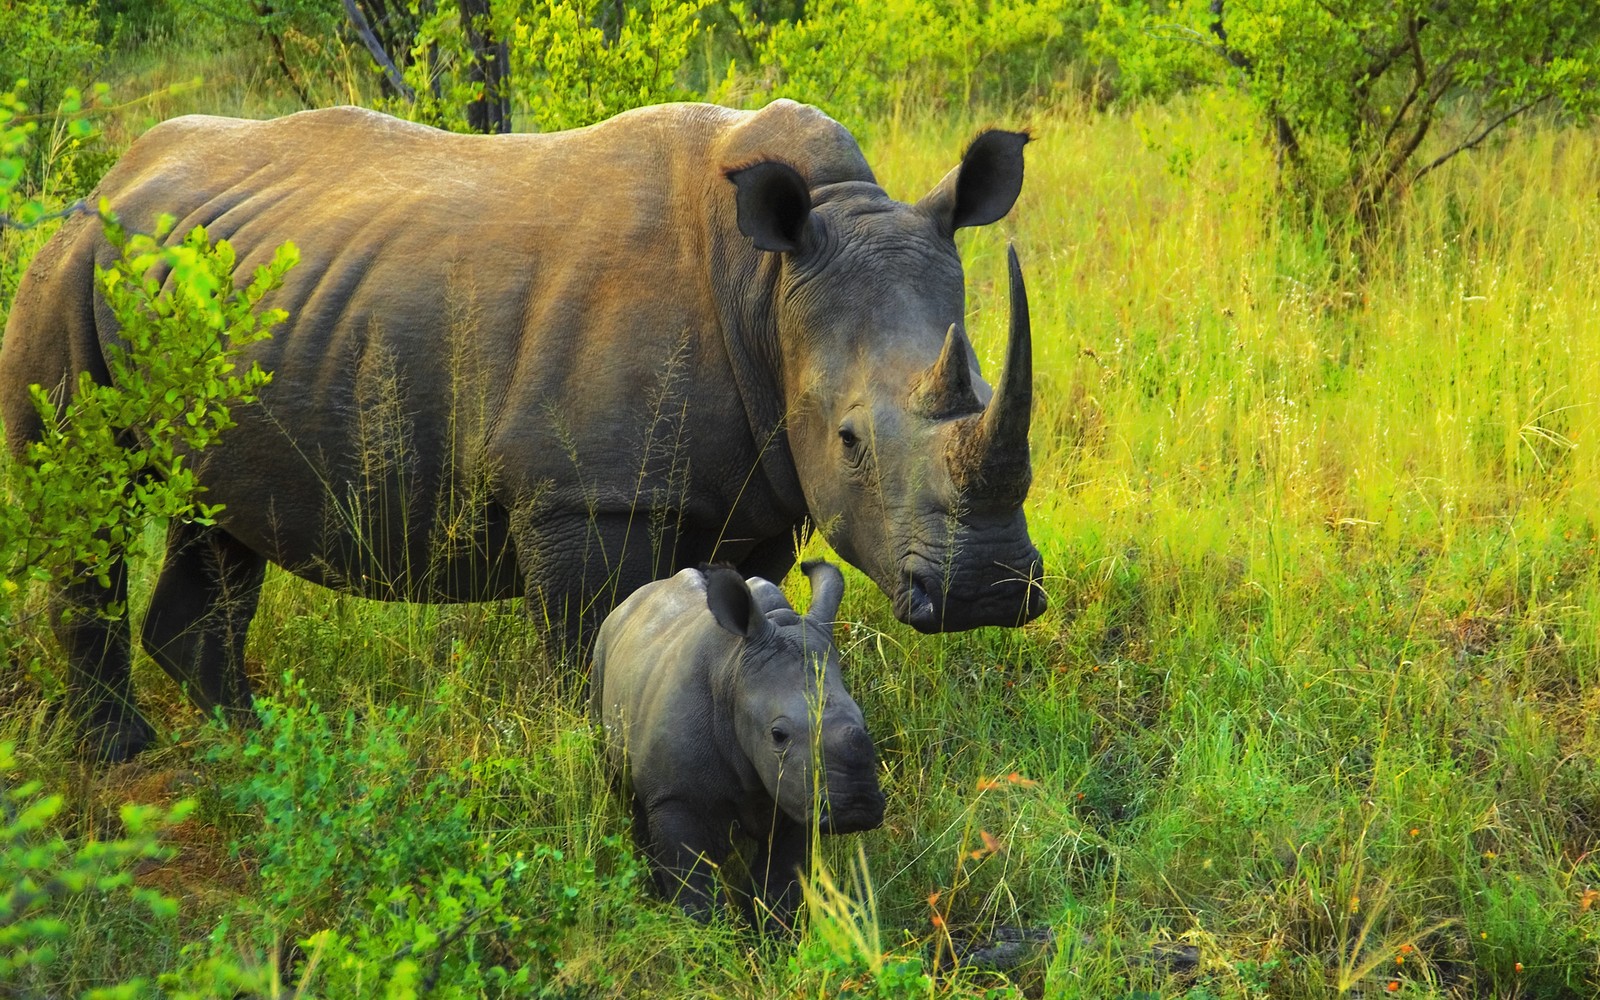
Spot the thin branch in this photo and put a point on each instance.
(7, 222)
(358, 21)
(1477, 139)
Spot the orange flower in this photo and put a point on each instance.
(1415, 831)
(1406, 949)
(1020, 781)
(1394, 985)
(1587, 900)
(1519, 966)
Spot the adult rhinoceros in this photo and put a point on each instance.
(560, 366)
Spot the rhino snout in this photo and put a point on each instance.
(854, 799)
(860, 809)
(930, 600)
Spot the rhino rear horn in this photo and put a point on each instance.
(945, 389)
(773, 205)
(731, 604)
(991, 460)
(984, 186)
(827, 590)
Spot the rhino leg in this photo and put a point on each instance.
(684, 853)
(771, 559)
(775, 873)
(576, 570)
(99, 685)
(199, 616)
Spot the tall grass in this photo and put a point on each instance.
(1317, 692)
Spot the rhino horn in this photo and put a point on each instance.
(827, 590)
(944, 390)
(990, 463)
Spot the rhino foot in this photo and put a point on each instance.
(113, 739)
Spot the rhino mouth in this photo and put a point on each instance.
(930, 600)
(863, 811)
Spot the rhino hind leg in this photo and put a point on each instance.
(99, 685)
(200, 614)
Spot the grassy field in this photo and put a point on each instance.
(1313, 712)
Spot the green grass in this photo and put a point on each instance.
(1319, 684)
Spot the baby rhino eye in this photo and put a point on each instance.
(780, 736)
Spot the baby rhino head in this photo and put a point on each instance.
(795, 722)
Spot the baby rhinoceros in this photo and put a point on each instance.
(724, 711)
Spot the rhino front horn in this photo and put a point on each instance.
(992, 465)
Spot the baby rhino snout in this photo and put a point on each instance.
(854, 800)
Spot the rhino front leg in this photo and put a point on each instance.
(200, 614)
(776, 872)
(771, 559)
(91, 623)
(685, 851)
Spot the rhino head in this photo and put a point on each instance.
(792, 717)
(912, 466)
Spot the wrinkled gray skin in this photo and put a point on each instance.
(558, 366)
(707, 687)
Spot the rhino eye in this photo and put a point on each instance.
(848, 438)
(780, 736)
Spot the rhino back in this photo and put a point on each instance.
(543, 318)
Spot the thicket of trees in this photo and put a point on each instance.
(1358, 98)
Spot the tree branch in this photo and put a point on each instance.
(358, 21)
(1472, 143)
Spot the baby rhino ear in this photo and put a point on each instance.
(732, 605)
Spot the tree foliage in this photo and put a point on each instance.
(1362, 98)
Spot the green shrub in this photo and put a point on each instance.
(571, 71)
(49, 47)
(80, 496)
(41, 873)
(381, 867)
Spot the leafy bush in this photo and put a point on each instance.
(40, 872)
(81, 497)
(571, 72)
(862, 59)
(380, 861)
(49, 46)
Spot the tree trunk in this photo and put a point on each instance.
(490, 111)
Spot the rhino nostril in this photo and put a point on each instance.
(920, 609)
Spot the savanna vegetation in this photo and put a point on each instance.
(1316, 303)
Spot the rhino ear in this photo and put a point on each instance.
(732, 605)
(984, 186)
(773, 205)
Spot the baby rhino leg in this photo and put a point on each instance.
(685, 850)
